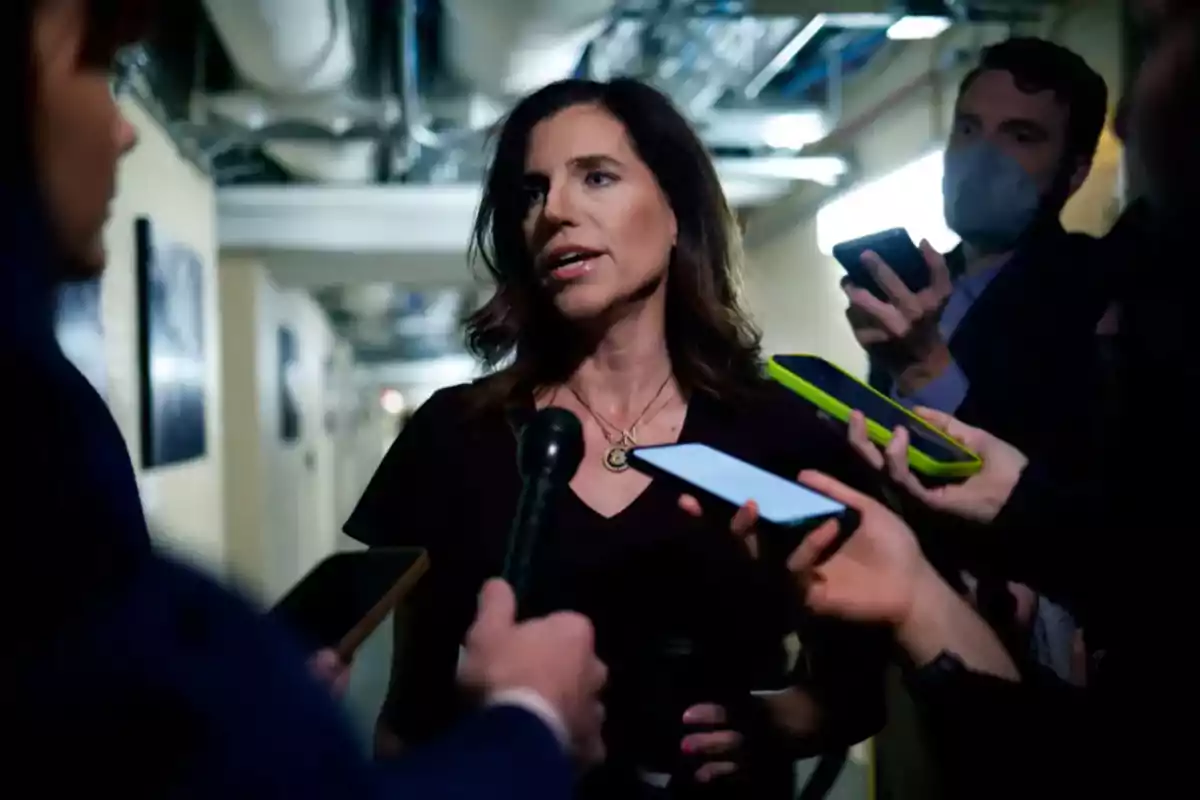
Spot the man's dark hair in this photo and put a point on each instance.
(1038, 66)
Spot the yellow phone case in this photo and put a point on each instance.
(880, 435)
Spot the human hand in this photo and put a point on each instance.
(717, 746)
(903, 328)
(743, 525)
(979, 497)
(876, 573)
(553, 656)
(327, 667)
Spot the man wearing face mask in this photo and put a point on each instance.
(987, 347)
(1008, 343)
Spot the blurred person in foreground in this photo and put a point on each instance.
(1107, 547)
(130, 672)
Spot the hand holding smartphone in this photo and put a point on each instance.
(896, 249)
(931, 452)
(788, 509)
(342, 600)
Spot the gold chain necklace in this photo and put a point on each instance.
(620, 440)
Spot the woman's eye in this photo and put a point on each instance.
(597, 178)
(532, 194)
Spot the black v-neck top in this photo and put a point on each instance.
(647, 574)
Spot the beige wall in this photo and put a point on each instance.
(286, 501)
(185, 501)
(252, 508)
(792, 289)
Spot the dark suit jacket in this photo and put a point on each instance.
(124, 673)
(1028, 347)
(1029, 350)
(1109, 545)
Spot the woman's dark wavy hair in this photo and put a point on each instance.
(713, 345)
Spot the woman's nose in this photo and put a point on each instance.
(559, 205)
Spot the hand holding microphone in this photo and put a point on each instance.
(552, 657)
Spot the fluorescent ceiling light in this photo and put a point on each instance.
(909, 197)
(913, 27)
(793, 131)
(392, 401)
(825, 170)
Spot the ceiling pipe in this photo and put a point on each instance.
(520, 45)
(511, 48)
(288, 47)
(786, 54)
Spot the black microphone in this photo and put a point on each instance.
(549, 449)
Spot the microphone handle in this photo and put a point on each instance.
(532, 518)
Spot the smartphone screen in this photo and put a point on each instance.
(837, 384)
(897, 250)
(341, 591)
(780, 501)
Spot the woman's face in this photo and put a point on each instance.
(79, 130)
(598, 227)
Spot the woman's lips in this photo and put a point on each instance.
(573, 270)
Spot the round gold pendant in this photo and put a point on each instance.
(616, 458)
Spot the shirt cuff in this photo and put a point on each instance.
(533, 702)
(945, 393)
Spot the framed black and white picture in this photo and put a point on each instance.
(79, 327)
(173, 363)
(289, 401)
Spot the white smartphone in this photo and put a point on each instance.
(781, 502)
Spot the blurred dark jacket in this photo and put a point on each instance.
(131, 674)
(1107, 543)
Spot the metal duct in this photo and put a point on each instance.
(342, 161)
(287, 47)
(511, 48)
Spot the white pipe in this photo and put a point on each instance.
(507, 48)
(286, 46)
(341, 162)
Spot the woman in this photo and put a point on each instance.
(613, 251)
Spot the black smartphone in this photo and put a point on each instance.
(897, 250)
(790, 508)
(341, 601)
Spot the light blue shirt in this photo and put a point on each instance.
(947, 391)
